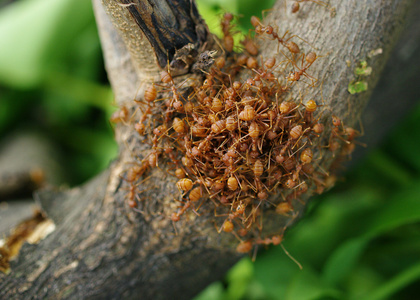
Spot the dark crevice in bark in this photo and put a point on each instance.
(168, 25)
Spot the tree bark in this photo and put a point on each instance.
(101, 248)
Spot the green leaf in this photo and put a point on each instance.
(343, 260)
(211, 14)
(361, 280)
(339, 209)
(84, 91)
(239, 278)
(255, 291)
(213, 292)
(392, 286)
(36, 33)
(404, 144)
(307, 284)
(363, 69)
(274, 270)
(248, 8)
(357, 87)
(386, 166)
(403, 208)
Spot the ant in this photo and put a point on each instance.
(295, 76)
(261, 29)
(176, 216)
(227, 224)
(296, 5)
(120, 115)
(236, 139)
(132, 175)
(226, 25)
(275, 240)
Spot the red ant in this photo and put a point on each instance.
(296, 5)
(275, 240)
(228, 224)
(269, 30)
(295, 75)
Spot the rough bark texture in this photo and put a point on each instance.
(26, 160)
(100, 248)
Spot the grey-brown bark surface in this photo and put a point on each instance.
(101, 248)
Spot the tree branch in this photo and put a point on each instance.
(126, 254)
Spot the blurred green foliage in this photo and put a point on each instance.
(52, 80)
(361, 240)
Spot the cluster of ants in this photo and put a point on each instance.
(236, 142)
